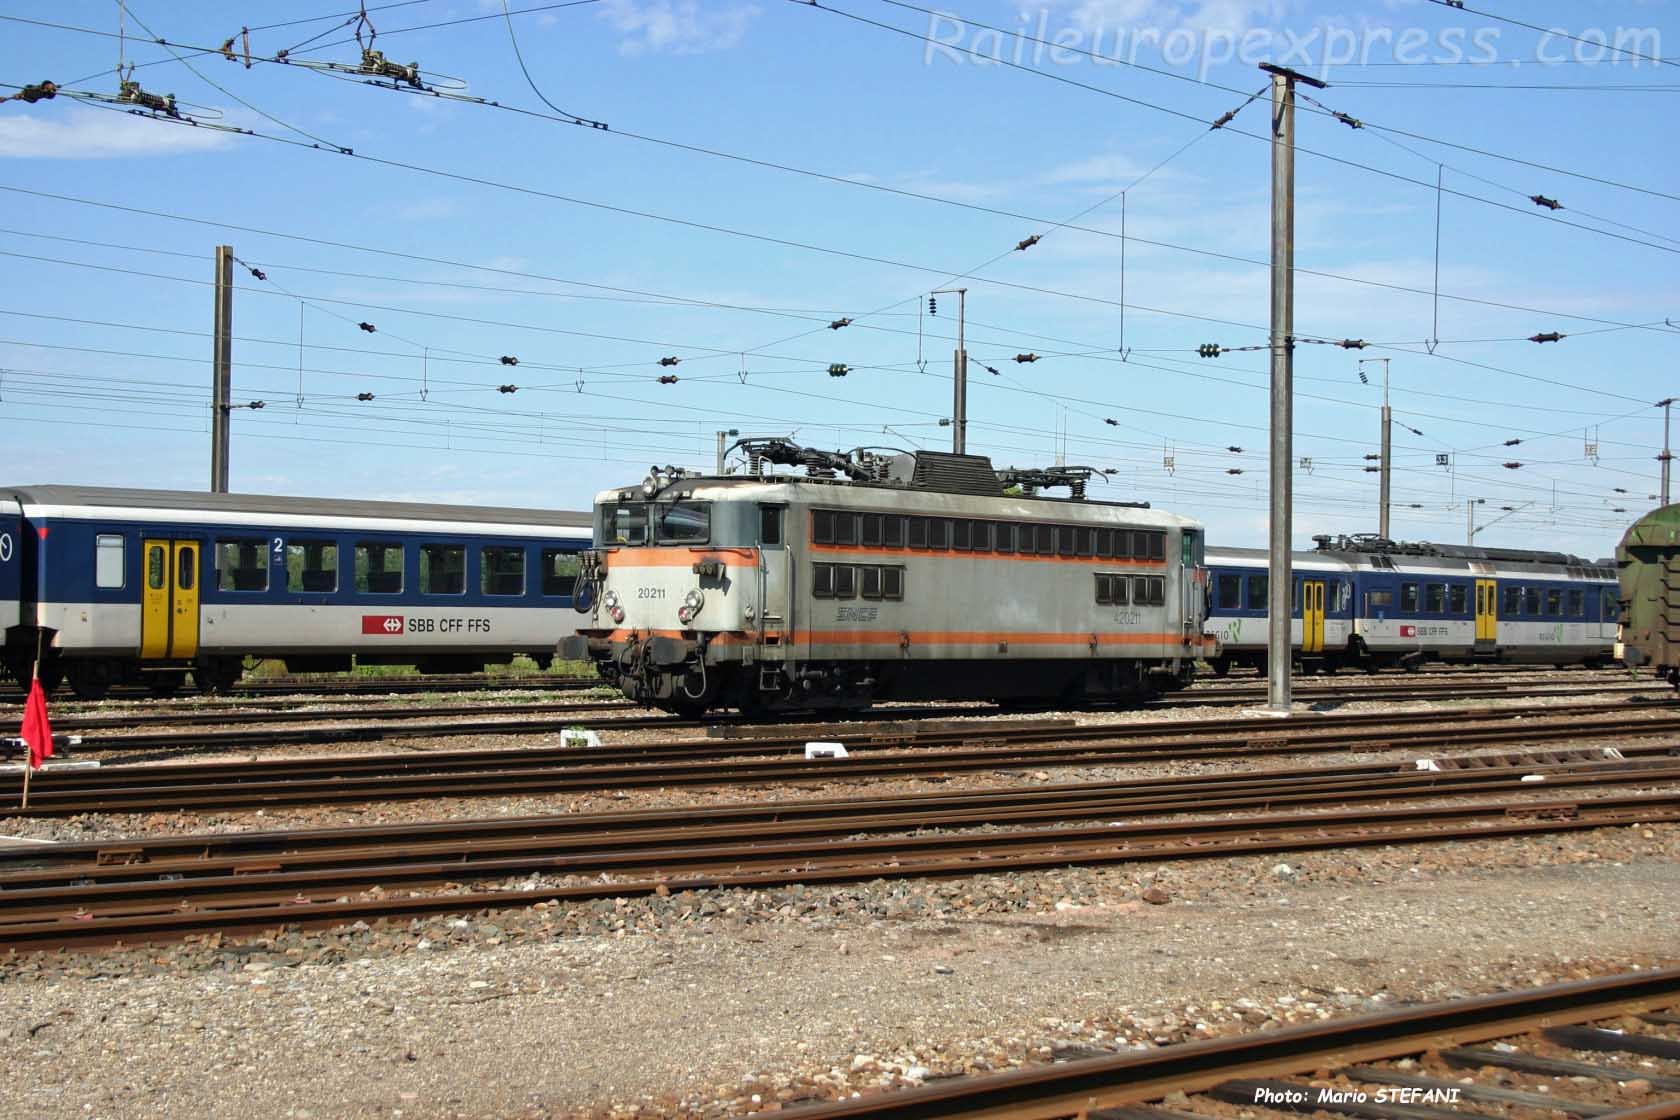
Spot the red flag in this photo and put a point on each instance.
(37, 731)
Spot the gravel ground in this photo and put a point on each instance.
(695, 1003)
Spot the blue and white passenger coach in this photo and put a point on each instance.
(11, 563)
(883, 577)
(1371, 603)
(147, 585)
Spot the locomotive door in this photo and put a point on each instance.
(1312, 616)
(1487, 613)
(774, 601)
(169, 600)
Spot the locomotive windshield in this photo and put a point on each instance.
(640, 523)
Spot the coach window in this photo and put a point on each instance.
(242, 565)
(1577, 603)
(1458, 599)
(892, 535)
(962, 535)
(1554, 602)
(822, 581)
(1295, 600)
(1257, 593)
(559, 571)
(892, 582)
(501, 570)
(918, 532)
(1228, 592)
(822, 526)
(1512, 601)
(311, 566)
(1612, 606)
(157, 567)
(1409, 598)
(1435, 598)
(108, 554)
(1378, 601)
(443, 569)
(379, 568)
(1531, 600)
(845, 581)
(770, 525)
(874, 530)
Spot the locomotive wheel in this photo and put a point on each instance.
(89, 680)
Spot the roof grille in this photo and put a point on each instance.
(955, 474)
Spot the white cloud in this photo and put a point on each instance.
(677, 26)
(74, 133)
(1231, 17)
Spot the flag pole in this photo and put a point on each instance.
(28, 754)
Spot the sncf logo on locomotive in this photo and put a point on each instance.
(382, 624)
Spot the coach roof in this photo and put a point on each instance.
(192, 501)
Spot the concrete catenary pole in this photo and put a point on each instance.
(959, 374)
(221, 371)
(1279, 657)
(1667, 456)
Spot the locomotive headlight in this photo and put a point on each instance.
(617, 612)
(610, 600)
(691, 604)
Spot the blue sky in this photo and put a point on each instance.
(589, 299)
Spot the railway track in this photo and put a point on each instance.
(91, 894)
(1584, 1048)
(622, 716)
(769, 760)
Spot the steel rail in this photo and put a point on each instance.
(253, 908)
(462, 774)
(51, 882)
(1134, 1078)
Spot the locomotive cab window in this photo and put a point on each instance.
(312, 566)
(501, 570)
(682, 522)
(379, 568)
(443, 569)
(108, 560)
(559, 571)
(624, 523)
(242, 564)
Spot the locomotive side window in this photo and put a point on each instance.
(1003, 537)
(874, 530)
(871, 582)
(1140, 545)
(379, 568)
(918, 532)
(982, 541)
(1409, 597)
(845, 528)
(1046, 535)
(1087, 542)
(1066, 540)
(501, 570)
(892, 582)
(939, 533)
(108, 561)
(311, 566)
(559, 572)
(1105, 544)
(1158, 546)
(1105, 589)
(1435, 598)
(822, 581)
(1577, 603)
(242, 564)
(822, 526)
(893, 535)
(1513, 601)
(1457, 599)
(769, 524)
(1148, 591)
(443, 569)
(845, 581)
(1228, 591)
(962, 535)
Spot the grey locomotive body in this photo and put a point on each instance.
(919, 577)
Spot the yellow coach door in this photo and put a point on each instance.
(169, 600)
(1312, 616)
(183, 623)
(1487, 611)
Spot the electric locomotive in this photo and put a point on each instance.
(1648, 574)
(885, 576)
